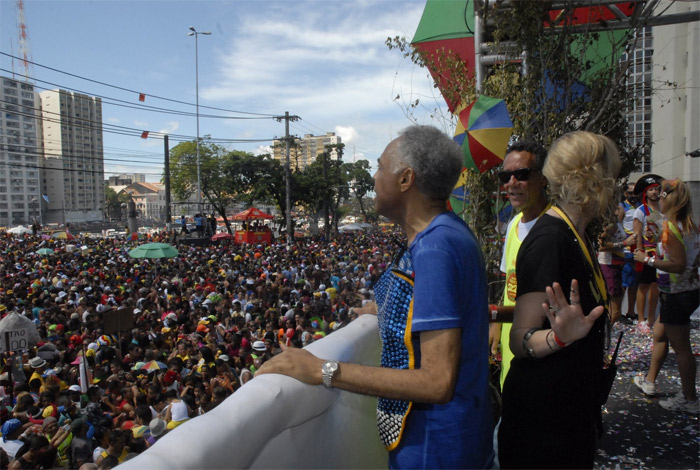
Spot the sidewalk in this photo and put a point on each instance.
(638, 432)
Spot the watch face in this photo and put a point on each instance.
(330, 367)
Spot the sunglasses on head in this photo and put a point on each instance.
(522, 174)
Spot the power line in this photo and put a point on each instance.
(116, 102)
(112, 128)
(138, 93)
(45, 168)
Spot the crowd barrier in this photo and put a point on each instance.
(274, 421)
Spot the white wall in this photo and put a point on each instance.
(274, 421)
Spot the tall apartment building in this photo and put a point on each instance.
(670, 116)
(639, 92)
(20, 146)
(306, 150)
(73, 160)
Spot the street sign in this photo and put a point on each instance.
(18, 340)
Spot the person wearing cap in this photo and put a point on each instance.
(158, 428)
(647, 228)
(38, 366)
(434, 405)
(11, 431)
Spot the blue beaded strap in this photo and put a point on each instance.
(394, 296)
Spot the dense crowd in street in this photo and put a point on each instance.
(203, 323)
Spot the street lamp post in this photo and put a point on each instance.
(195, 33)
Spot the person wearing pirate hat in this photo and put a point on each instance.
(647, 226)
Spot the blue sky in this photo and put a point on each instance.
(324, 61)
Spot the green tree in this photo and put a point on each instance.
(574, 81)
(257, 179)
(113, 203)
(215, 186)
(360, 182)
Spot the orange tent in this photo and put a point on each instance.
(252, 214)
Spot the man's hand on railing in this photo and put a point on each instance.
(296, 363)
(369, 308)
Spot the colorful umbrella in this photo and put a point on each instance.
(44, 251)
(154, 250)
(445, 38)
(153, 365)
(483, 130)
(63, 236)
(222, 236)
(459, 196)
(19, 230)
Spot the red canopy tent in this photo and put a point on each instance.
(252, 236)
(252, 214)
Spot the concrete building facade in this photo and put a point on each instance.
(305, 150)
(73, 160)
(149, 199)
(20, 150)
(673, 114)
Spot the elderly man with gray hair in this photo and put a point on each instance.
(433, 409)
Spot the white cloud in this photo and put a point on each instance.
(347, 134)
(329, 66)
(263, 149)
(170, 127)
(141, 124)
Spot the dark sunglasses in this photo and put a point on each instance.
(522, 174)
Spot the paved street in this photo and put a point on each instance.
(639, 433)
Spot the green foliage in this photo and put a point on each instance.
(360, 182)
(574, 81)
(114, 201)
(237, 176)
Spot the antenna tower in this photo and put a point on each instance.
(23, 39)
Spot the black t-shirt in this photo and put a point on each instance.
(551, 403)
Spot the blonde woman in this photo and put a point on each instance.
(679, 286)
(550, 397)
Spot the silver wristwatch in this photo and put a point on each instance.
(328, 370)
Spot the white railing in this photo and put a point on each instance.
(274, 421)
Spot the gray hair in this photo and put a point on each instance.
(434, 157)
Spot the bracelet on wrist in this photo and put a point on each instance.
(526, 340)
(549, 333)
(559, 342)
(494, 312)
(650, 261)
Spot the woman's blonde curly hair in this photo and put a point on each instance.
(581, 169)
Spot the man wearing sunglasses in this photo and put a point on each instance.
(524, 184)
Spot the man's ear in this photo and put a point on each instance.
(406, 179)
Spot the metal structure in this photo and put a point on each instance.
(195, 33)
(641, 15)
(23, 39)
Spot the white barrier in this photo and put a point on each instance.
(274, 421)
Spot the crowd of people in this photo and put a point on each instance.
(207, 320)
(203, 323)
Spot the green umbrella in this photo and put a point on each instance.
(44, 251)
(154, 250)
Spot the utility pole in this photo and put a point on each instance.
(168, 215)
(287, 171)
